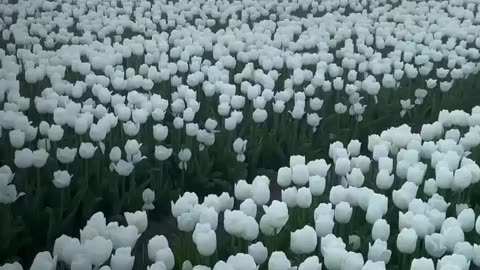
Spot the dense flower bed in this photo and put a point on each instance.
(112, 107)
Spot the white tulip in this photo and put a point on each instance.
(122, 259)
(87, 150)
(303, 241)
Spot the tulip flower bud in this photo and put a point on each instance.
(300, 175)
(157, 266)
(444, 177)
(239, 146)
(416, 173)
(296, 160)
(148, 197)
(298, 112)
(211, 124)
(260, 193)
(223, 109)
(98, 250)
(17, 138)
(465, 249)
(318, 167)
(316, 184)
(422, 264)
(259, 252)
(242, 190)
(435, 245)
(278, 261)
(162, 153)
(438, 202)
(137, 219)
(55, 133)
(379, 252)
(44, 127)
(284, 176)
(303, 241)
(251, 229)
(401, 198)
(289, 196)
(39, 158)
(342, 166)
(334, 256)
(178, 122)
(381, 230)
(165, 255)
(242, 261)
(352, 261)
(191, 129)
(355, 178)
(354, 148)
(343, 212)
(124, 168)
(338, 194)
(155, 244)
(430, 187)
(259, 115)
(184, 156)
(66, 155)
(122, 259)
(98, 132)
(81, 125)
(12, 266)
(462, 178)
(209, 216)
(61, 179)
(186, 222)
(86, 150)
(276, 216)
(384, 180)
(249, 208)
(158, 114)
(131, 129)
(44, 261)
(340, 108)
(324, 225)
(279, 106)
(115, 154)
(407, 241)
(122, 236)
(316, 104)
(304, 197)
(160, 132)
(132, 147)
(187, 265)
(455, 261)
(466, 218)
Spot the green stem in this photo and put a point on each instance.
(86, 173)
(132, 187)
(62, 202)
(183, 179)
(6, 234)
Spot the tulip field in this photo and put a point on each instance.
(239, 135)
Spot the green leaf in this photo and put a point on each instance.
(223, 184)
(52, 220)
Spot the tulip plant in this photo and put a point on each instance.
(364, 112)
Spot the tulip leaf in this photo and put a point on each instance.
(224, 185)
(52, 220)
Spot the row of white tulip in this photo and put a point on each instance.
(361, 212)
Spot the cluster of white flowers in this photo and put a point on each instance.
(340, 216)
(138, 98)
